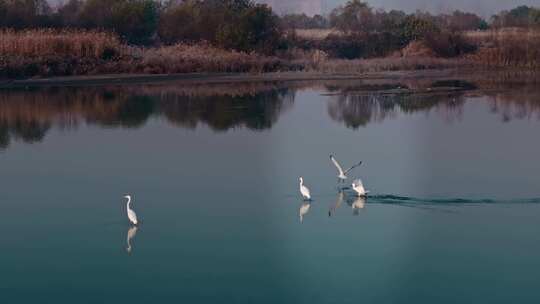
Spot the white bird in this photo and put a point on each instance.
(132, 232)
(132, 216)
(304, 190)
(304, 209)
(359, 188)
(342, 174)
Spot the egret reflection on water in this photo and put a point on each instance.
(304, 209)
(339, 200)
(342, 174)
(358, 204)
(131, 233)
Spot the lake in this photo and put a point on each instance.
(452, 216)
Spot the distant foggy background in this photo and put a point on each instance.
(485, 8)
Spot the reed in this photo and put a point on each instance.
(48, 42)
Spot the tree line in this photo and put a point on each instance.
(241, 24)
(233, 24)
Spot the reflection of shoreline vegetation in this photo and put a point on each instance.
(27, 115)
(358, 109)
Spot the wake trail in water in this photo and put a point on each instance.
(396, 199)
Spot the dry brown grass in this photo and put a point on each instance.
(182, 58)
(46, 42)
(388, 64)
(485, 36)
(59, 53)
(507, 48)
(316, 34)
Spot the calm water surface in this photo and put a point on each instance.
(453, 217)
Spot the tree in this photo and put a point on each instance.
(134, 20)
(232, 24)
(257, 29)
(25, 13)
(354, 16)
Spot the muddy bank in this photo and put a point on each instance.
(222, 78)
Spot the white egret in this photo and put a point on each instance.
(342, 174)
(132, 232)
(304, 209)
(359, 188)
(130, 213)
(304, 190)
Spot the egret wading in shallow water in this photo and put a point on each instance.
(358, 187)
(132, 216)
(304, 190)
(342, 175)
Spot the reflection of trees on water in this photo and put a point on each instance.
(525, 104)
(359, 110)
(28, 115)
(255, 112)
(356, 109)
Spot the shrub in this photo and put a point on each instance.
(448, 44)
(353, 45)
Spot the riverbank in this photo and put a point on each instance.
(186, 79)
(223, 78)
(95, 56)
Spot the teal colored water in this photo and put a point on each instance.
(453, 214)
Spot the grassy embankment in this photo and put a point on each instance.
(45, 53)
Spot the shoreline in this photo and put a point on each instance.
(221, 78)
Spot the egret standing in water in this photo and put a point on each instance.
(132, 216)
(358, 187)
(304, 190)
(342, 175)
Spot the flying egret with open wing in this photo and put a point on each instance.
(342, 174)
(306, 194)
(132, 216)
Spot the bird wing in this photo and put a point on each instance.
(338, 166)
(348, 170)
(305, 191)
(132, 216)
